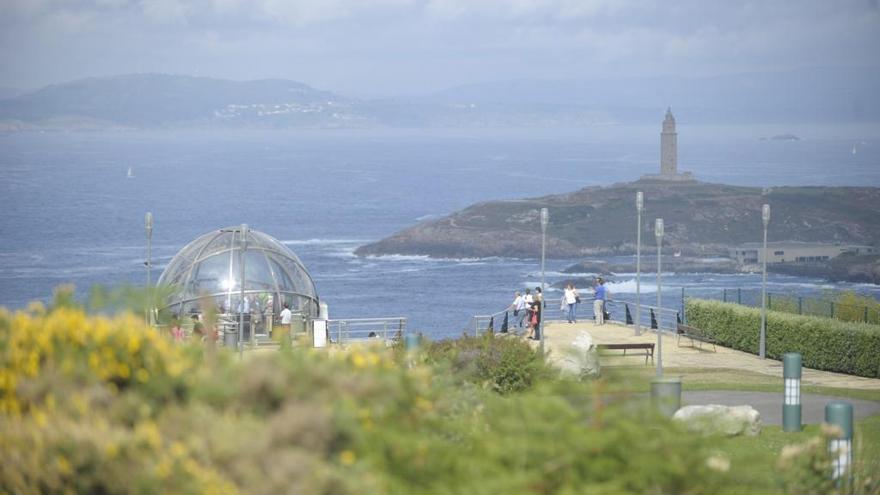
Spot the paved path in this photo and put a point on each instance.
(769, 404)
(560, 334)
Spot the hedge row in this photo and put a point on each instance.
(824, 343)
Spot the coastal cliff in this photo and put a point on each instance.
(700, 219)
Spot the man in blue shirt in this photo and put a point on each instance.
(599, 303)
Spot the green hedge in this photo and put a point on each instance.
(824, 343)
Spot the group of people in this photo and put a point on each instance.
(527, 308)
(201, 333)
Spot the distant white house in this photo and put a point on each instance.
(795, 252)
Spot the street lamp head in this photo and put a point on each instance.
(658, 228)
(545, 217)
(765, 214)
(148, 222)
(640, 201)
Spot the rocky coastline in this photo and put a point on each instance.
(702, 220)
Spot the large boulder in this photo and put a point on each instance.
(714, 419)
(583, 358)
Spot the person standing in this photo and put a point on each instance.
(286, 317)
(527, 306)
(539, 303)
(599, 303)
(177, 333)
(198, 329)
(569, 298)
(518, 306)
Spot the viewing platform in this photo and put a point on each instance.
(559, 336)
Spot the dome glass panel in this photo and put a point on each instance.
(208, 271)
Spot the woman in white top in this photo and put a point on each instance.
(570, 299)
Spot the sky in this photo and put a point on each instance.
(398, 47)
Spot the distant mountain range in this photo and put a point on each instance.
(171, 101)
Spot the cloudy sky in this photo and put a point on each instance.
(386, 47)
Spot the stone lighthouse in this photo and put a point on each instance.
(669, 153)
(669, 146)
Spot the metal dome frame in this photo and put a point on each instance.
(270, 268)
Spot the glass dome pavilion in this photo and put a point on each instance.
(210, 266)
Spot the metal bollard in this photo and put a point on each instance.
(791, 406)
(666, 395)
(840, 414)
(412, 341)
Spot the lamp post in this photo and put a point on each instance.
(640, 204)
(762, 349)
(148, 226)
(658, 233)
(665, 391)
(243, 231)
(545, 219)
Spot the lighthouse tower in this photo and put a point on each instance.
(669, 154)
(669, 146)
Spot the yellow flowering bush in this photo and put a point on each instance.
(93, 404)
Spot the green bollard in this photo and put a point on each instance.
(791, 406)
(666, 395)
(840, 414)
(411, 341)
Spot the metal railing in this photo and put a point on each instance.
(620, 311)
(790, 303)
(345, 331)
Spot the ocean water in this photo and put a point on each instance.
(68, 213)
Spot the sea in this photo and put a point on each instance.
(70, 213)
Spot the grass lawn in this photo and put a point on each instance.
(754, 460)
(637, 378)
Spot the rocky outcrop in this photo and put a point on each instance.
(582, 360)
(700, 219)
(714, 419)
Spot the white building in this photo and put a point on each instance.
(795, 252)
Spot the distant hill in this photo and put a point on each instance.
(700, 219)
(163, 101)
(816, 95)
(157, 100)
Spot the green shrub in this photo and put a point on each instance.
(824, 343)
(505, 364)
(312, 421)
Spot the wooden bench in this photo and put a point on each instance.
(648, 348)
(695, 334)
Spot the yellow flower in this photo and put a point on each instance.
(358, 360)
(40, 417)
(111, 450)
(424, 404)
(163, 469)
(347, 457)
(142, 375)
(134, 343)
(373, 359)
(63, 465)
(177, 449)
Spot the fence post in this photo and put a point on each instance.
(866, 314)
(723, 295)
(769, 301)
(800, 305)
(739, 299)
(832, 309)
